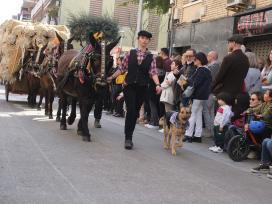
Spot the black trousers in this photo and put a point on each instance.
(134, 97)
(100, 95)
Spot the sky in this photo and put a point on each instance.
(9, 8)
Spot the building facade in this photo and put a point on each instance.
(206, 24)
(25, 14)
(126, 16)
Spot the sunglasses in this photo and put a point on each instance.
(253, 99)
(189, 56)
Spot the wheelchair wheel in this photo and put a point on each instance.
(238, 148)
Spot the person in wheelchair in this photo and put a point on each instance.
(262, 113)
(241, 104)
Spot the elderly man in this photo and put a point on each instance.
(208, 106)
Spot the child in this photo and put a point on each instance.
(221, 121)
(167, 95)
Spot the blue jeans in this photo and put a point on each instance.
(267, 151)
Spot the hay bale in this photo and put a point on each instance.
(17, 36)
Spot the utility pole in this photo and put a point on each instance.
(170, 26)
(139, 21)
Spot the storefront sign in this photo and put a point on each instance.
(254, 23)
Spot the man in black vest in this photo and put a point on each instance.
(140, 65)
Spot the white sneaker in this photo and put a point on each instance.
(218, 150)
(212, 148)
(161, 130)
(152, 127)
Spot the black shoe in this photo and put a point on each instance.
(119, 115)
(97, 123)
(197, 139)
(86, 138)
(128, 144)
(188, 139)
(262, 168)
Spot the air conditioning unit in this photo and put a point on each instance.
(237, 5)
(176, 15)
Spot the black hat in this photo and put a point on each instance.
(145, 34)
(237, 39)
(202, 58)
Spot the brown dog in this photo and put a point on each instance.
(174, 128)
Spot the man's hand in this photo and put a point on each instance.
(109, 79)
(119, 98)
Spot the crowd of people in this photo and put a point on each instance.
(221, 95)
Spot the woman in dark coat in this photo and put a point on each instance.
(201, 81)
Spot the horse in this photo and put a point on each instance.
(82, 75)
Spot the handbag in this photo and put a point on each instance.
(189, 89)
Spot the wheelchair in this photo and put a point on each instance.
(243, 141)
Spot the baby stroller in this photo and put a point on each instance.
(240, 144)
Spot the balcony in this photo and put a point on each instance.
(41, 6)
(29, 3)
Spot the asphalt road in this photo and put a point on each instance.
(41, 164)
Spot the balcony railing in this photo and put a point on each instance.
(42, 4)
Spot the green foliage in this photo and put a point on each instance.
(53, 12)
(160, 6)
(82, 24)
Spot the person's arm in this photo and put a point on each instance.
(122, 69)
(154, 75)
(226, 118)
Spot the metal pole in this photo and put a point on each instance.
(171, 31)
(139, 20)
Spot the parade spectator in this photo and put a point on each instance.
(242, 103)
(221, 121)
(266, 159)
(201, 83)
(264, 113)
(164, 54)
(153, 98)
(167, 95)
(187, 71)
(189, 67)
(253, 79)
(139, 64)
(267, 71)
(233, 70)
(261, 63)
(117, 88)
(208, 106)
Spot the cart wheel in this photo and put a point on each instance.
(238, 148)
(7, 92)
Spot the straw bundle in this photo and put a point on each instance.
(16, 37)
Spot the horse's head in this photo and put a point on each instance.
(98, 52)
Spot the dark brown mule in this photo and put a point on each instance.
(48, 78)
(27, 78)
(77, 74)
